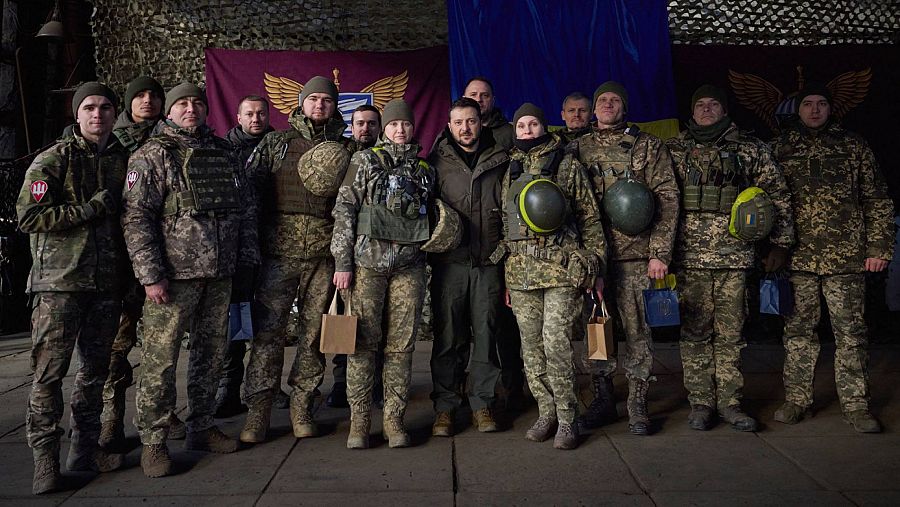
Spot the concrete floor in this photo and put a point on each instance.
(820, 461)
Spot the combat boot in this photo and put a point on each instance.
(360, 422)
(738, 419)
(394, 432)
(638, 421)
(602, 409)
(862, 421)
(112, 435)
(88, 457)
(790, 413)
(257, 424)
(212, 440)
(443, 425)
(155, 460)
(700, 418)
(302, 419)
(484, 421)
(566, 436)
(177, 429)
(541, 429)
(47, 478)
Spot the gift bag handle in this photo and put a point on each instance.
(348, 309)
(332, 310)
(669, 282)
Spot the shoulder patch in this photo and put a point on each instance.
(38, 190)
(131, 179)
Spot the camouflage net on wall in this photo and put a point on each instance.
(167, 38)
(784, 22)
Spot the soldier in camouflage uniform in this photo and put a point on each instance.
(69, 205)
(713, 154)
(546, 274)
(253, 125)
(295, 233)
(614, 151)
(576, 113)
(381, 220)
(143, 103)
(190, 222)
(844, 221)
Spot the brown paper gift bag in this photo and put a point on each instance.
(338, 331)
(600, 334)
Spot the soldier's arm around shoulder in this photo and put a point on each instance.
(587, 210)
(143, 201)
(42, 205)
(877, 207)
(346, 208)
(660, 175)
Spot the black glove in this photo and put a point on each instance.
(776, 259)
(103, 203)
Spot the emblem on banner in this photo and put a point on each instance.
(285, 93)
(848, 90)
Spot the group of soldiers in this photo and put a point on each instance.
(151, 216)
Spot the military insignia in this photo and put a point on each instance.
(131, 179)
(848, 90)
(38, 190)
(285, 93)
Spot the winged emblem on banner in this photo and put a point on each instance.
(285, 92)
(848, 90)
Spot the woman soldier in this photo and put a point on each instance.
(556, 248)
(381, 221)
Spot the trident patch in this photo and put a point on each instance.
(38, 190)
(131, 179)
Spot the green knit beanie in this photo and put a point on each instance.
(615, 87)
(319, 84)
(183, 90)
(140, 84)
(711, 92)
(529, 109)
(91, 88)
(397, 109)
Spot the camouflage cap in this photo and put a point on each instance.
(323, 167)
(447, 233)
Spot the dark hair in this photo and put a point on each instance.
(252, 98)
(366, 107)
(466, 102)
(576, 96)
(483, 80)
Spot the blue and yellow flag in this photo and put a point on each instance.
(538, 51)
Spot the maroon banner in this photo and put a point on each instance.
(420, 77)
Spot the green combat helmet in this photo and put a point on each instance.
(543, 206)
(447, 234)
(323, 167)
(630, 206)
(752, 215)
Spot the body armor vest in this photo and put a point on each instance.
(397, 208)
(614, 163)
(712, 179)
(291, 195)
(210, 180)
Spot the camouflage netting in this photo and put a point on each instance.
(784, 22)
(167, 38)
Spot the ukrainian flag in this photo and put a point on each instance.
(540, 51)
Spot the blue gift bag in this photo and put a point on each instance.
(240, 325)
(775, 295)
(661, 304)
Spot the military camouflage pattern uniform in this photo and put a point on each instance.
(547, 275)
(711, 264)
(385, 270)
(607, 154)
(843, 215)
(132, 135)
(79, 264)
(295, 234)
(192, 223)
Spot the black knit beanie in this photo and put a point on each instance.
(140, 84)
(711, 92)
(91, 88)
(529, 109)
